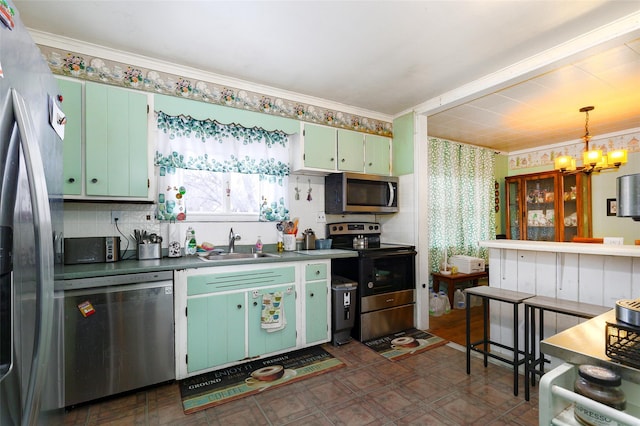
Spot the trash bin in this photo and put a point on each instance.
(343, 307)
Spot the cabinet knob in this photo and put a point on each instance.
(255, 303)
(343, 160)
(317, 272)
(239, 306)
(370, 164)
(71, 180)
(311, 295)
(332, 159)
(94, 180)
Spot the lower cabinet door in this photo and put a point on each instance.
(215, 330)
(262, 339)
(316, 311)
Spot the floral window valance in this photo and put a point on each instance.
(223, 147)
(225, 150)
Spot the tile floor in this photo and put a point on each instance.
(431, 388)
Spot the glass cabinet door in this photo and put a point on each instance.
(540, 209)
(513, 210)
(570, 207)
(576, 206)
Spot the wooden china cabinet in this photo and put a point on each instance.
(548, 206)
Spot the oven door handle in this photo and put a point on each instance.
(378, 255)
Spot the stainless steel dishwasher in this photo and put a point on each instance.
(116, 334)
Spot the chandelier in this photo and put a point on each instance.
(592, 160)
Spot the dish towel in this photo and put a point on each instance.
(272, 318)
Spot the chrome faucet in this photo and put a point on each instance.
(232, 240)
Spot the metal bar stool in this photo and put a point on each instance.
(482, 346)
(534, 359)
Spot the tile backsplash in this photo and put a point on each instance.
(94, 219)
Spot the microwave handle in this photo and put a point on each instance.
(392, 194)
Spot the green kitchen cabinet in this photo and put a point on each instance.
(116, 142)
(215, 331)
(377, 155)
(316, 302)
(350, 151)
(324, 149)
(71, 91)
(261, 341)
(223, 315)
(319, 150)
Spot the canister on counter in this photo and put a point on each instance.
(602, 385)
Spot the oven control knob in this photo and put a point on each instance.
(370, 284)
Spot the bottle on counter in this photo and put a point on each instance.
(190, 244)
(280, 243)
(602, 385)
(259, 245)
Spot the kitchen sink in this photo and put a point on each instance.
(236, 256)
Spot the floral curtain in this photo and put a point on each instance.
(184, 143)
(461, 200)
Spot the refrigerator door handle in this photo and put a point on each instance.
(44, 256)
(8, 190)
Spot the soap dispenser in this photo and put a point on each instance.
(190, 244)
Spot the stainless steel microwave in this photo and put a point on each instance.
(91, 250)
(360, 193)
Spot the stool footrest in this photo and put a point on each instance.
(474, 347)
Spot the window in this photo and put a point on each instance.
(209, 171)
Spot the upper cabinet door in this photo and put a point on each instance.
(350, 151)
(71, 92)
(377, 155)
(116, 155)
(319, 147)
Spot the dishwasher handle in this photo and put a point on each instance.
(113, 280)
(168, 285)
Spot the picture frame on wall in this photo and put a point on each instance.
(612, 206)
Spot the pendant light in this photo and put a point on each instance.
(592, 160)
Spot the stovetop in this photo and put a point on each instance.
(343, 233)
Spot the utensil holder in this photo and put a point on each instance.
(289, 242)
(149, 251)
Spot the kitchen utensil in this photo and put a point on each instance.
(309, 239)
(360, 242)
(628, 311)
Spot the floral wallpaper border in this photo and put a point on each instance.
(116, 73)
(545, 157)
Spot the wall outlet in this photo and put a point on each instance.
(321, 218)
(116, 216)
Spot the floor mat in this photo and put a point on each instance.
(405, 343)
(228, 384)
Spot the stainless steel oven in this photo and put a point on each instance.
(385, 274)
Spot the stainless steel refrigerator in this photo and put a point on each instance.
(30, 216)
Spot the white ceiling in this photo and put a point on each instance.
(393, 56)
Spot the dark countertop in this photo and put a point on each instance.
(65, 272)
(585, 344)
